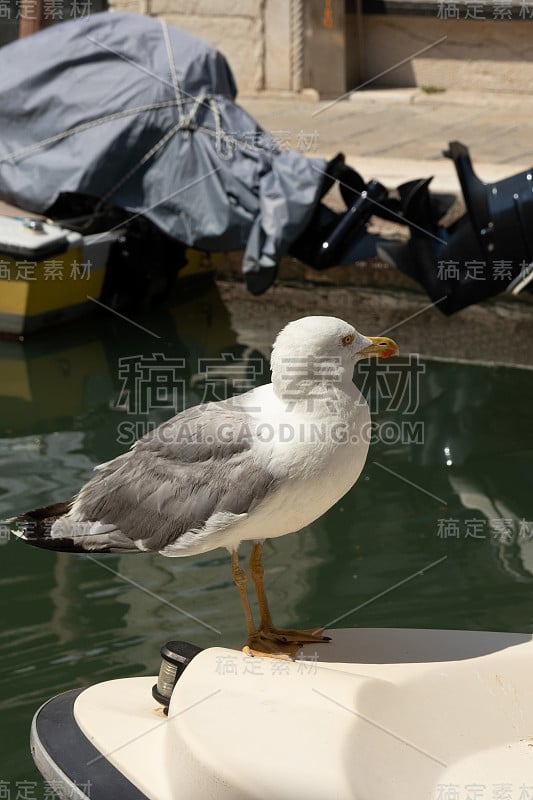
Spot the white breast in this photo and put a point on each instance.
(318, 461)
(315, 458)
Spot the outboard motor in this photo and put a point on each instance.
(487, 251)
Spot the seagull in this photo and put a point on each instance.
(252, 467)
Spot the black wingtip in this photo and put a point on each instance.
(52, 543)
(34, 527)
(53, 511)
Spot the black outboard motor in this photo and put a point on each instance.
(334, 239)
(487, 251)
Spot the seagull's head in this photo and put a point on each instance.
(318, 349)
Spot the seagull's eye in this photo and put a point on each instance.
(347, 340)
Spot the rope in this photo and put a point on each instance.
(172, 67)
(297, 45)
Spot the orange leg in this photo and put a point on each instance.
(256, 643)
(266, 626)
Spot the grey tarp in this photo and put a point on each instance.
(130, 110)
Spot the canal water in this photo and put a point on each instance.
(437, 533)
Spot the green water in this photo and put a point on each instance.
(71, 621)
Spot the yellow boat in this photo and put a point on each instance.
(49, 274)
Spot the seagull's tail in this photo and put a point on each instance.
(35, 527)
(52, 528)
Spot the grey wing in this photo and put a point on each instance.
(175, 480)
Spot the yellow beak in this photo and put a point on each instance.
(381, 346)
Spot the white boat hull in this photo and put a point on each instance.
(392, 713)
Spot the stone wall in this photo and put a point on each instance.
(254, 35)
(286, 45)
(484, 56)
